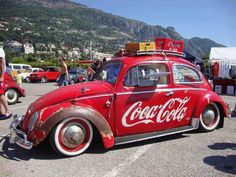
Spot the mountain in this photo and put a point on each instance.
(71, 24)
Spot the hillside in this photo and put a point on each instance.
(75, 25)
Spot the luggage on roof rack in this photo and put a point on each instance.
(140, 46)
(169, 44)
(161, 46)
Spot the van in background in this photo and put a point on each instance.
(15, 67)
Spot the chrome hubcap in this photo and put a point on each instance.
(72, 136)
(208, 117)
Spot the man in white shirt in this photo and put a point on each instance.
(4, 108)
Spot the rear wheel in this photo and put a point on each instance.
(72, 136)
(12, 96)
(43, 80)
(210, 118)
(72, 82)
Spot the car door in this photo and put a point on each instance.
(146, 102)
(52, 73)
(187, 84)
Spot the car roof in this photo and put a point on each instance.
(144, 58)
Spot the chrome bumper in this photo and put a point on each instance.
(18, 136)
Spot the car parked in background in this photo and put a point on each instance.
(25, 75)
(12, 90)
(50, 73)
(77, 75)
(15, 67)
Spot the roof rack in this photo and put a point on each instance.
(161, 52)
(149, 52)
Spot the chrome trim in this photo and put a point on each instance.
(97, 96)
(14, 133)
(161, 90)
(195, 123)
(146, 136)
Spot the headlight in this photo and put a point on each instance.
(33, 121)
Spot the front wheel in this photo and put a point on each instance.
(12, 96)
(27, 80)
(72, 136)
(210, 118)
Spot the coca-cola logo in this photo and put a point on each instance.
(173, 109)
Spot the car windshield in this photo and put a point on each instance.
(108, 72)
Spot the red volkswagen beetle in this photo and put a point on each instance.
(12, 90)
(133, 97)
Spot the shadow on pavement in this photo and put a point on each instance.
(14, 152)
(44, 150)
(225, 164)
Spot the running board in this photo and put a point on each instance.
(146, 136)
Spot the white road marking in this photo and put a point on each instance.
(127, 162)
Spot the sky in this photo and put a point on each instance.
(213, 19)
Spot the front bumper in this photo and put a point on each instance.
(17, 136)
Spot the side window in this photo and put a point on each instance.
(26, 67)
(16, 67)
(147, 75)
(185, 74)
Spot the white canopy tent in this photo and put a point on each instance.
(225, 56)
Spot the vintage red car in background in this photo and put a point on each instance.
(138, 95)
(12, 90)
(50, 73)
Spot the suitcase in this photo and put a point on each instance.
(141, 46)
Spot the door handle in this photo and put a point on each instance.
(169, 93)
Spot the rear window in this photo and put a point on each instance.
(184, 74)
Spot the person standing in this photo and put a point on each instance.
(19, 78)
(4, 108)
(63, 79)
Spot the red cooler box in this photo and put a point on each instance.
(169, 44)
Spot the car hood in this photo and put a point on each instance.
(69, 93)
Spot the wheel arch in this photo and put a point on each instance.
(209, 99)
(95, 118)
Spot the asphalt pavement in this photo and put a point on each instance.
(191, 154)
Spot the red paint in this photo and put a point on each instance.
(135, 109)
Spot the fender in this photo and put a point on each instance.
(83, 112)
(207, 99)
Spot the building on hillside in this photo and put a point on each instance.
(100, 56)
(28, 48)
(13, 46)
(40, 47)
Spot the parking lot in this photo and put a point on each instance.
(187, 154)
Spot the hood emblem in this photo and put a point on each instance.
(84, 90)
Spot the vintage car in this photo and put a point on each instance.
(50, 73)
(25, 75)
(133, 97)
(12, 90)
(77, 75)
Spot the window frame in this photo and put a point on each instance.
(189, 67)
(136, 67)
